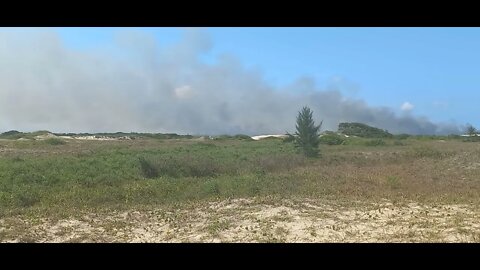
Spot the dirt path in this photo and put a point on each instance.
(245, 220)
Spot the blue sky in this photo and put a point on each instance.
(434, 69)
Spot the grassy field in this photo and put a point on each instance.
(201, 190)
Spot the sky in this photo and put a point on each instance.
(238, 80)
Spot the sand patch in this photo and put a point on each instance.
(246, 220)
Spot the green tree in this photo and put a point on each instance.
(471, 130)
(307, 135)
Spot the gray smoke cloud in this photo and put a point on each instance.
(144, 87)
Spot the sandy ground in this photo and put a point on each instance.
(245, 220)
(93, 138)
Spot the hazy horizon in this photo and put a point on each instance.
(250, 81)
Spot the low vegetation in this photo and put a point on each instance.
(103, 173)
(58, 178)
(332, 139)
(362, 130)
(54, 141)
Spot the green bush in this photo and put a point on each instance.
(161, 136)
(54, 141)
(147, 168)
(289, 138)
(362, 130)
(178, 167)
(454, 136)
(471, 139)
(212, 187)
(223, 138)
(12, 134)
(272, 138)
(243, 137)
(27, 199)
(401, 136)
(398, 143)
(376, 142)
(332, 139)
(425, 137)
(236, 137)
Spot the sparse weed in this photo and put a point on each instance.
(428, 152)
(217, 226)
(393, 182)
(375, 142)
(54, 141)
